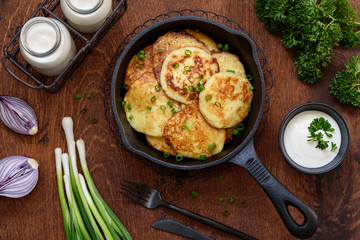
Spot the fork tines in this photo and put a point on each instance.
(137, 192)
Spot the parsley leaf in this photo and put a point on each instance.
(318, 127)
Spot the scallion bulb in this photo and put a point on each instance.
(18, 115)
(18, 176)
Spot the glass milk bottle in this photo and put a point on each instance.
(86, 16)
(46, 45)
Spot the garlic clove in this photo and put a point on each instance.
(18, 176)
(18, 115)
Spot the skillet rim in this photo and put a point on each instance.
(184, 166)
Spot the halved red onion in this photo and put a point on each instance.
(18, 176)
(18, 115)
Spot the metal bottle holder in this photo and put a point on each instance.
(51, 8)
(109, 114)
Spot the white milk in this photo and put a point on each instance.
(86, 16)
(46, 44)
(304, 152)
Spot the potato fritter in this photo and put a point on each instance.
(146, 106)
(189, 134)
(184, 70)
(226, 100)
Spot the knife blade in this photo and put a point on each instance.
(178, 228)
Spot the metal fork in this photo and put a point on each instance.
(151, 198)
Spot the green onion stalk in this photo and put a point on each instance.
(86, 210)
(89, 220)
(63, 203)
(112, 221)
(75, 212)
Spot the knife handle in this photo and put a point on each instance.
(209, 222)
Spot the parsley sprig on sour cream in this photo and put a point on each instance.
(318, 127)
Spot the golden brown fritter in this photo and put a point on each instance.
(189, 134)
(210, 44)
(183, 70)
(138, 67)
(169, 42)
(228, 61)
(226, 100)
(159, 144)
(147, 109)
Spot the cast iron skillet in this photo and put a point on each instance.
(240, 150)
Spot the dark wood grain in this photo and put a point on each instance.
(335, 196)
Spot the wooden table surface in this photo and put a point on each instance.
(335, 196)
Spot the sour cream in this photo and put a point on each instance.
(303, 152)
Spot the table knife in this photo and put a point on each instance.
(178, 228)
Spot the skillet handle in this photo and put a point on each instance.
(281, 197)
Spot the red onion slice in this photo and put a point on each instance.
(18, 115)
(18, 176)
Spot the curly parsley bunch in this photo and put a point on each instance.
(312, 28)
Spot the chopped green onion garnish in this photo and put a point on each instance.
(153, 99)
(179, 157)
(126, 85)
(170, 104)
(231, 200)
(160, 50)
(217, 104)
(141, 52)
(220, 46)
(141, 56)
(249, 77)
(188, 52)
(148, 108)
(128, 106)
(166, 154)
(220, 177)
(208, 97)
(226, 212)
(232, 71)
(187, 68)
(235, 132)
(202, 157)
(176, 65)
(131, 117)
(79, 95)
(226, 47)
(197, 30)
(84, 110)
(201, 87)
(173, 111)
(157, 88)
(194, 193)
(201, 76)
(139, 64)
(191, 88)
(88, 96)
(243, 203)
(94, 120)
(123, 103)
(201, 82)
(221, 199)
(212, 147)
(240, 126)
(187, 126)
(185, 90)
(249, 107)
(162, 107)
(251, 88)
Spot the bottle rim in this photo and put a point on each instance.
(31, 23)
(83, 10)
